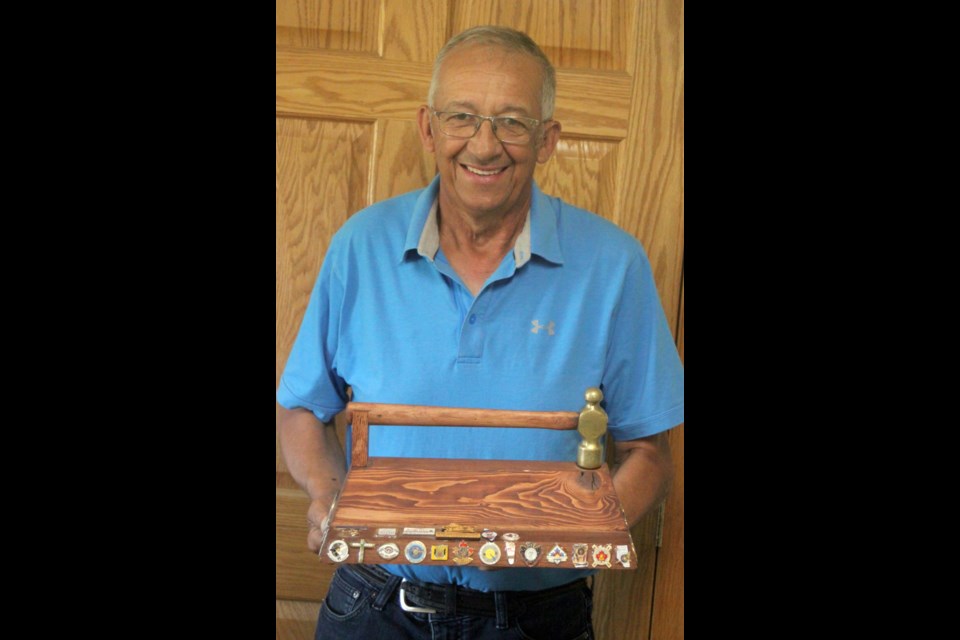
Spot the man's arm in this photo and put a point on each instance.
(642, 474)
(315, 459)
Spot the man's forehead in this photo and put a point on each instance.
(473, 107)
(477, 52)
(514, 76)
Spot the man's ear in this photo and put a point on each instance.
(551, 136)
(424, 118)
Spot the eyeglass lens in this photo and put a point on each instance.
(466, 125)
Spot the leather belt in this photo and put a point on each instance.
(453, 600)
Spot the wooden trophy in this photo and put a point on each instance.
(501, 513)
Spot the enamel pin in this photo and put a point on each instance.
(361, 545)
(511, 549)
(580, 555)
(489, 553)
(387, 532)
(530, 551)
(557, 554)
(338, 551)
(438, 552)
(601, 554)
(415, 552)
(510, 545)
(463, 553)
(623, 555)
(388, 551)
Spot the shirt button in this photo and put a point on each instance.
(473, 319)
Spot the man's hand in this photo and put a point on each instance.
(318, 519)
(642, 474)
(316, 462)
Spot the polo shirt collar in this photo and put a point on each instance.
(539, 235)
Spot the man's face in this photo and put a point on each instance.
(481, 176)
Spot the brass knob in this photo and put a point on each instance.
(592, 425)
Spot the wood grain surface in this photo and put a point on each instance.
(543, 502)
(335, 26)
(667, 623)
(364, 87)
(651, 173)
(297, 619)
(542, 496)
(363, 414)
(589, 34)
(409, 414)
(583, 173)
(300, 575)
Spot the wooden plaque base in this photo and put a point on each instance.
(498, 513)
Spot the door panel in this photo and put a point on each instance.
(668, 604)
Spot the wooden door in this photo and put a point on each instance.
(349, 78)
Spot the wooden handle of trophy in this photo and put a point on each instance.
(421, 415)
(363, 414)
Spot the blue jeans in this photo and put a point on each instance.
(357, 609)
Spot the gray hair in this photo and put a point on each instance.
(511, 40)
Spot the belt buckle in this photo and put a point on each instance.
(411, 608)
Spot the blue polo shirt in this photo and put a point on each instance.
(573, 306)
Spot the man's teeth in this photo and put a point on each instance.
(483, 173)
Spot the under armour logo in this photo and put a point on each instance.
(537, 326)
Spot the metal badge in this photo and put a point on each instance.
(486, 534)
(601, 554)
(362, 545)
(415, 552)
(438, 552)
(419, 531)
(510, 543)
(387, 532)
(338, 551)
(623, 555)
(580, 555)
(489, 553)
(530, 551)
(388, 551)
(511, 549)
(351, 532)
(463, 553)
(557, 554)
(452, 531)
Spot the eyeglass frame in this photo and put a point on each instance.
(493, 125)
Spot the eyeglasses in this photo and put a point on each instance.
(509, 129)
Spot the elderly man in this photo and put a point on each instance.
(479, 291)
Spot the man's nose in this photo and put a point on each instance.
(485, 138)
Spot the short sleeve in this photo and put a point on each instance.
(643, 380)
(310, 378)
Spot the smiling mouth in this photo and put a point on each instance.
(480, 172)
